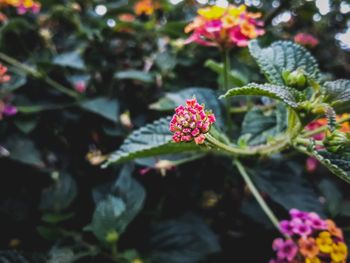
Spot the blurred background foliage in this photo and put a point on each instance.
(84, 74)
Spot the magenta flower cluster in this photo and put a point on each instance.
(302, 223)
(191, 122)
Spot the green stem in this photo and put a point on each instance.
(36, 74)
(227, 68)
(114, 251)
(265, 149)
(256, 194)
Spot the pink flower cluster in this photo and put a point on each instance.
(302, 223)
(310, 239)
(191, 122)
(224, 27)
(306, 39)
(23, 6)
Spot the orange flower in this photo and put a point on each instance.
(308, 247)
(126, 18)
(333, 229)
(145, 7)
(345, 126)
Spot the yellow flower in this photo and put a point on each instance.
(325, 242)
(28, 3)
(229, 21)
(312, 260)
(236, 11)
(339, 252)
(213, 12)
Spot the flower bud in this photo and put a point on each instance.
(191, 122)
(336, 141)
(112, 236)
(295, 79)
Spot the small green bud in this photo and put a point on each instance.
(295, 79)
(112, 236)
(336, 141)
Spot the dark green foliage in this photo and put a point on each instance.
(184, 240)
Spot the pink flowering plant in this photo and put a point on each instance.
(156, 131)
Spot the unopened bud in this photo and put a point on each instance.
(295, 79)
(336, 141)
(112, 236)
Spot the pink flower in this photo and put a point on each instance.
(80, 86)
(3, 76)
(315, 221)
(311, 164)
(286, 228)
(9, 110)
(295, 213)
(306, 39)
(286, 249)
(300, 228)
(224, 27)
(25, 6)
(191, 122)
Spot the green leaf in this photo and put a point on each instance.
(174, 29)
(336, 92)
(138, 75)
(235, 78)
(118, 205)
(107, 108)
(12, 256)
(71, 59)
(59, 195)
(49, 233)
(283, 56)
(203, 95)
(105, 217)
(150, 140)
(332, 195)
(285, 94)
(61, 255)
(286, 184)
(338, 164)
(185, 240)
(259, 126)
(54, 218)
(23, 150)
(166, 62)
(26, 124)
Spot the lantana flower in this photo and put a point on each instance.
(146, 7)
(309, 239)
(306, 39)
(190, 122)
(224, 27)
(23, 6)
